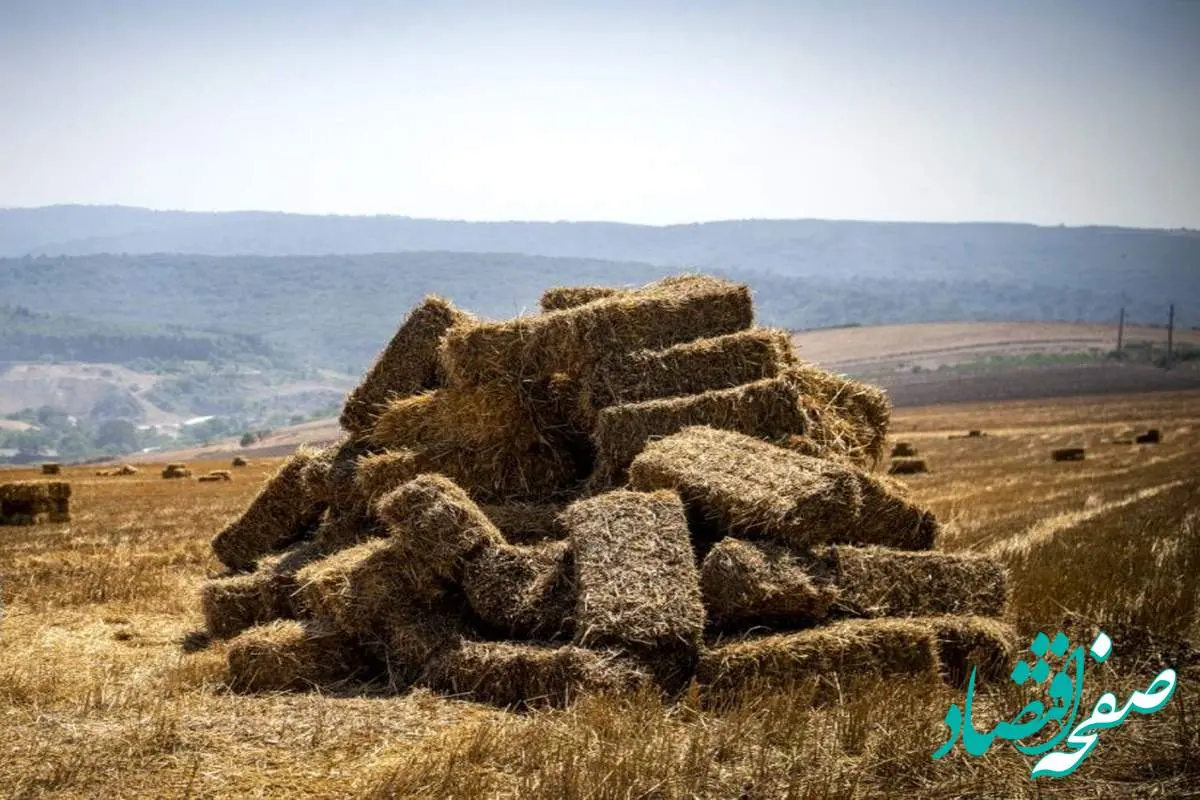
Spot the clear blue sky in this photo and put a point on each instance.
(1076, 112)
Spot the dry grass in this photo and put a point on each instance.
(98, 698)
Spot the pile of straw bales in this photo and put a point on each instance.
(632, 488)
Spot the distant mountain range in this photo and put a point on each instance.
(330, 289)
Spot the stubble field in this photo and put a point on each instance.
(105, 691)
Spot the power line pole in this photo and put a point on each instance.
(1170, 335)
(1121, 332)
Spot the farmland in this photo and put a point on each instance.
(99, 695)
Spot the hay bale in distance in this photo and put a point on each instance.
(762, 583)
(287, 655)
(907, 466)
(51, 469)
(831, 655)
(437, 525)
(534, 348)
(176, 472)
(233, 604)
(560, 297)
(407, 366)
(239, 461)
(510, 674)
(720, 362)
(744, 486)
(766, 409)
(1152, 436)
(216, 476)
(904, 450)
(636, 581)
(35, 502)
(281, 513)
(125, 469)
(1068, 454)
(523, 592)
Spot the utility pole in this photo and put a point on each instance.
(1170, 335)
(1121, 332)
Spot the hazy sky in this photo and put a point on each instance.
(657, 111)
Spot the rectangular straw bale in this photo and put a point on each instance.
(516, 675)
(719, 362)
(485, 438)
(535, 347)
(762, 583)
(890, 519)
(354, 589)
(747, 487)
(281, 513)
(412, 633)
(437, 525)
(854, 417)
(636, 580)
(559, 297)
(985, 644)
(34, 502)
(768, 409)
(882, 582)
(408, 364)
(832, 655)
(379, 473)
(523, 592)
(289, 656)
(526, 523)
(233, 604)
(344, 497)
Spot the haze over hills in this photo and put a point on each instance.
(241, 314)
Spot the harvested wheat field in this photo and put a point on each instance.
(680, 636)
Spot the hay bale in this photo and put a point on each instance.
(437, 525)
(233, 604)
(904, 450)
(412, 633)
(51, 469)
(849, 418)
(767, 409)
(239, 461)
(354, 589)
(340, 530)
(990, 646)
(740, 485)
(1152, 436)
(484, 438)
(974, 434)
(637, 584)
(176, 472)
(523, 592)
(35, 502)
(907, 466)
(510, 674)
(831, 655)
(878, 582)
(408, 364)
(526, 523)
(380, 473)
(125, 469)
(281, 513)
(288, 656)
(1067, 454)
(720, 362)
(890, 519)
(560, 297)
(216, 476)
(762, 583)
(341, 480)
(570, 340)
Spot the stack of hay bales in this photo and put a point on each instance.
(175, 471)
(635, 487)
(35, 502)
(51, 468)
